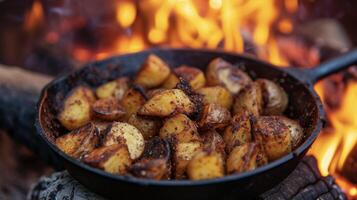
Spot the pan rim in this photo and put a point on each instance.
(148, 182)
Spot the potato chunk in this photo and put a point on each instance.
(296, 131)
(166, 103)
(206, 165)
(148, 126)
(239, 132)
(153, 72)
(183, 153)
(214, 116)
(181, 127)
(274, 97)
(114, 159)
(274, 135)
(218, 95)
(213, 141)
(76, 110)
(80, 141)
(245, 157)
(155, 163)
(133, 99)
(113, 89)
(128, 134)
(249, 99)
(194, 76)
(108, 109)
(220, 72)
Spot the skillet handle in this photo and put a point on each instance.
(330, 67)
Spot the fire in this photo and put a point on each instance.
(34, 18)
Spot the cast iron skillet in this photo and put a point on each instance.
(304, 105)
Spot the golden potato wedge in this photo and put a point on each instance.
(275, 98)
(213, 141)
(155, 163)
(128, 134)
(220, 72)
(113, 89)
(108, 109)
(245, 157)
(205, 165)
(148, 126)
(218, 95)
(114, 159)
(274, 135)
(296, 131)
(181, 127)
(76, 110)
(239, 132)
(79, 141)
(214, 116)
(182, 154)
(166, 103)
(193, 75)
(153, 72)
(249, 99)
(134, 98)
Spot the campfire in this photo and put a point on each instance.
(84, 31)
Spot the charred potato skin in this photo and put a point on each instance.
(148, 126)
(206, 165)
(113, 89)
(194, 76)
(216, 94)
(153, 72)
(274, 97)
(249, 99)
(79, 141)
(273, 135)
(134, 98)
(220, 72)
(214, 116)
(213, 141)
(108, 109)
(296, 131)
(76, 110)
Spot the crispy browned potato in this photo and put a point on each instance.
(296, 131)
(205, 165)
(108, 109)
(113, 89)
(249, 99)
(245, 157)
(182, 154)
(80, 141)
(181, 127)
(76, 110)
(217, 94)
(155, 163)
(148, 126)
(193, 75)
(153, 72)
(274, 135)
(133, 99)
(128, 134)
(152, 92)
(166, 103)
(113, 159)
(274, 97)
(239, 132)
(213, 141)
(220, 72)
(214, 116)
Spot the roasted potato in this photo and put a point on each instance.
(220, 72)
(113, 89)
(245, 157)
(80, 141)
(148, 126)
(128, 134)
(274, 135)
(152, 92)
(206, 165)
(166, 103)
(108, 109)
(296, 131)
(153, 72)
(275, 98)
(218, 95)
(214, 116)
(239, 132)
(76, 110)
(182, 154)
(181, 127)
(133, 99)
(249, 99)
(155, 163)
(113, 159)
(194, 76)
(213, 141)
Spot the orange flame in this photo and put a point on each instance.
(34, 18)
